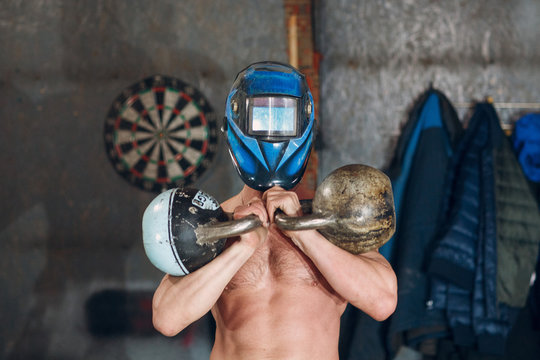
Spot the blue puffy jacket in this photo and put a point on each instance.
(486, 250)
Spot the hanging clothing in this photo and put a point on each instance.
(417, 172)
(432, 130)
(486, 250)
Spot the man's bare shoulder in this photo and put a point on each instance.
(230, 204)
(243, 197)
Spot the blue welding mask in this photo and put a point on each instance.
(269, 120)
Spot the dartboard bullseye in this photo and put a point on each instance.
(160, 133)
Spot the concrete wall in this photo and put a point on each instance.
(378, 56)
(70, 226)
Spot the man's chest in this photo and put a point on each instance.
(278, 260)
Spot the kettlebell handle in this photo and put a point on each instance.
(306, 222)
(215, 230)
(309, 221)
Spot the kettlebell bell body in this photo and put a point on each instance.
(169, 224)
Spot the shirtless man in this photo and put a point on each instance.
(274, 294)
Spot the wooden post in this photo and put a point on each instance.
(302, 55)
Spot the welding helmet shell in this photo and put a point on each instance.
(269, 120)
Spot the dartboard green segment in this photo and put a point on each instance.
(161, 133)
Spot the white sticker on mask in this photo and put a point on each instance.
(205, 201)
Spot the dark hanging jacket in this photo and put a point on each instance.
(418, 171)
(487, 246)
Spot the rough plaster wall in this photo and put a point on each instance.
(378, 56)
(70, 225)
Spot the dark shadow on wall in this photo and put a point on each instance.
(25, 224)
(114, 312)
(118, 312)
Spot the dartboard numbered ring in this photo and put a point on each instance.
(161, 133)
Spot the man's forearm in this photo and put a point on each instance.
(367, 281)
(179, 301)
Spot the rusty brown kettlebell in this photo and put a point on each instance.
(353, 208)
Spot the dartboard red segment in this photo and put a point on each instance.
(164, 133)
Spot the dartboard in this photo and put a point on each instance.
(161, 133)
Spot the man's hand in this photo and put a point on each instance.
(287, 201)
(279, 198)
(258, 236)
